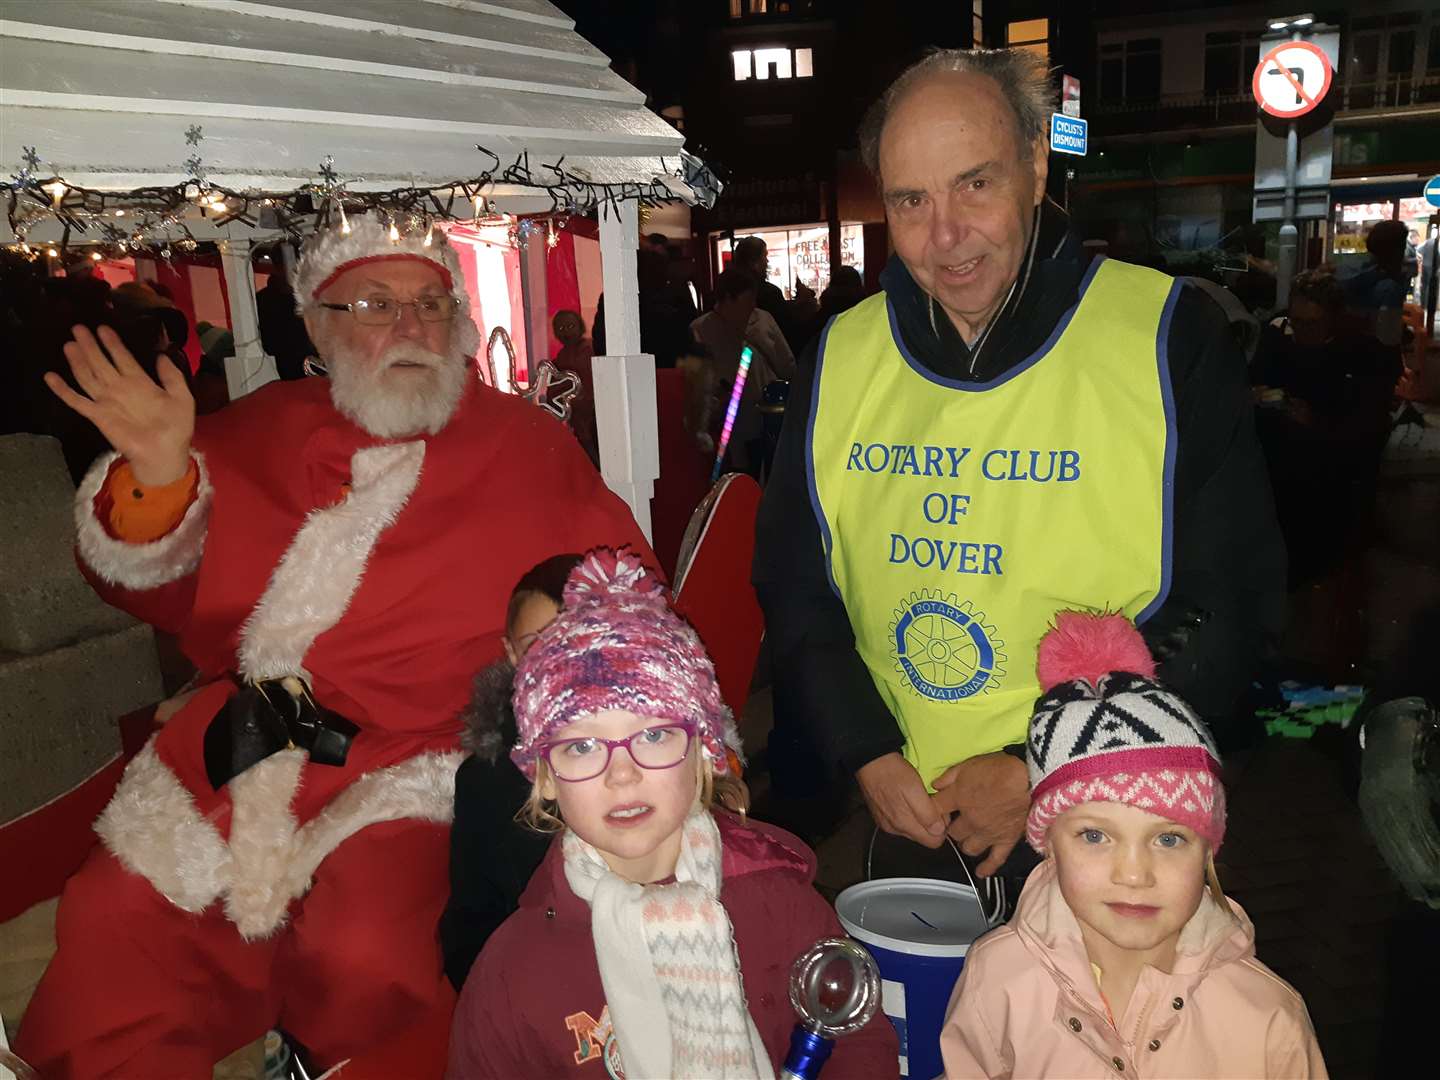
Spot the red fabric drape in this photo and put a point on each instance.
(562, 284)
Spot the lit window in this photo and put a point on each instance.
(1027, 31)
(779, 58)
(1030, 35)
(775, 62)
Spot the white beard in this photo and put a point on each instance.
(393, 403)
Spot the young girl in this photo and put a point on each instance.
(655, 941)
(1124, 958)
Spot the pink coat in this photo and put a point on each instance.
(1027, 1005)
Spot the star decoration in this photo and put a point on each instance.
(552, 389)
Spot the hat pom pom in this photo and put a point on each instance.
(606, 572)
(1085, 646)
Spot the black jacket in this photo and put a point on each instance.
(492, 856)
(1226, 601)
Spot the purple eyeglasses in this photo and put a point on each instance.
(660, 746)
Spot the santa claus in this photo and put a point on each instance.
(335, 556)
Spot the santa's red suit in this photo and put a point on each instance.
(380, 570)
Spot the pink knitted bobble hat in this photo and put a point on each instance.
(618, 644)
(1107, 731)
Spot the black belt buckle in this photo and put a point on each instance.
(267, 717)
(323, 734)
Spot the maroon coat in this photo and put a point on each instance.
(534, 1006)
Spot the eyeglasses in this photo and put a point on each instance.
(383, 311)
(660, 747)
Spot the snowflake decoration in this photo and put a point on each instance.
(193, 135)
(29, 162)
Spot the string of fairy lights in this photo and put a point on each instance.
(157, 220)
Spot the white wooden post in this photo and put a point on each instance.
(249, 369)
(625, 419)
(535, 300)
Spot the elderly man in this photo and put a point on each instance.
(1004, 432)
(335, 556)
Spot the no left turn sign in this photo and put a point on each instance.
(1292, 78)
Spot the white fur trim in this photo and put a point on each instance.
(148, 565)
(369, 236)
(419, 789)
(153, 827)
(262, 837)
(312, 585)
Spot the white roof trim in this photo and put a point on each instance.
(260, 10)
(134, 43)
(45, 99)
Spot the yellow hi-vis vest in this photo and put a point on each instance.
(958, 518)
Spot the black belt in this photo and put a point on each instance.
(269, 716)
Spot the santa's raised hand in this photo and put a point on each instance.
(150, 424)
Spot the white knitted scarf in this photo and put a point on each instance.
(668, 964)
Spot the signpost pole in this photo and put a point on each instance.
(1289, 234)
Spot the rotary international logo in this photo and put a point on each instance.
(944, 647)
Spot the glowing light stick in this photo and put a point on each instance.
(746, 354)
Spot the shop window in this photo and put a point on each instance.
(1032, 35)
(775, 62)
(800, 255)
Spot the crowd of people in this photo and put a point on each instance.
(529, 749)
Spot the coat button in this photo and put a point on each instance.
(1154, 1044)
(1178, 1003)
(1074, 1023)
(550, 914)
(1119, 1065)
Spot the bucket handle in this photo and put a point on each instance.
(992, 888)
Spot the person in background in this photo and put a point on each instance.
(575, 356)
(1124, 958)
(492, 856)
(664, 327)
(1377, 291)
(658, 934)
(282, 331)
(1326, 387)
(735, 323)
(752, 254)
(846, 289)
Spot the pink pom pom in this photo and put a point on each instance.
(605, 572)
(1085, 646)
